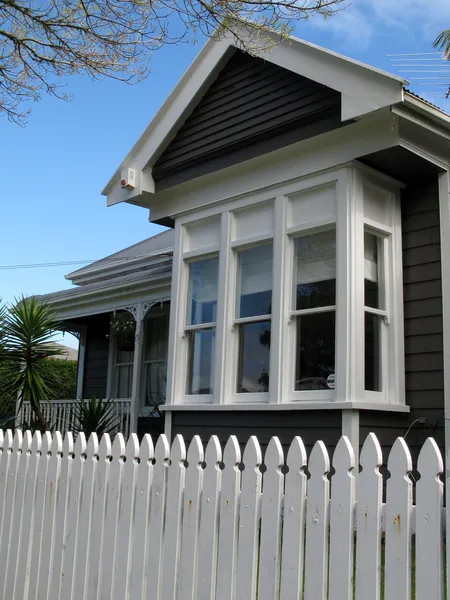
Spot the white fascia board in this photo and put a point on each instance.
(287, 164)
(312, 405)
(424, 108)
(363, 88)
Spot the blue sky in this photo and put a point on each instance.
(53, 170)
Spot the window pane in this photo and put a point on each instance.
(124, 381)
(156, 337)
(254, 357)
(372, 372)
(202, 292)
(255, 281)
(155, 384)
(201, 361)
(315, 270)
(124, 356)
(371, 283)
(315, 352)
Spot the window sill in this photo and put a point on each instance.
(401, 408)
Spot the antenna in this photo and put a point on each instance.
(428, 72)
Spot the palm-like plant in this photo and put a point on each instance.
(26, 339)
(96, 416)
(442, 42)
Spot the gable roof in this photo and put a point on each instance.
(363, 89)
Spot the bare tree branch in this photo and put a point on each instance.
(44, 41)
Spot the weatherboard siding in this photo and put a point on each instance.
(253, 107)
(96, 356)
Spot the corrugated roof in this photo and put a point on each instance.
(426, 102)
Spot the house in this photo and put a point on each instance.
(303, 285)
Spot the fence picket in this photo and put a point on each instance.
(398, 523)
(142, 517)
(156, 525)
(228, 521)
(175, 489)
(191, 521)
(208, 534)
(82, 561)
(368, 521)
(99, 503)
(316, 572)
(341, 522)
(48, 533)
(13, 567)
(10, 504)
(5, 460)
(125, 519)
(429, 524)
(270, 545)
(109, 554)
(292, 562)
(62, 496)
(249, 510)
(29, 506)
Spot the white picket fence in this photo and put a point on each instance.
(91, 521)
(61, 414)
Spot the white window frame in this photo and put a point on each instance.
(350, 221)
(144, 409)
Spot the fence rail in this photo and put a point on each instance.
(61, 414)
(92, 520)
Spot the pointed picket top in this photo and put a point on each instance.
(430, 464)
(92, 446)
(80, 445)
(195, 454)
(232, 452)
(146, 450)
(178, 450)
(344, 456)
(371, 456)
(296, 455)
(118, 447)
(104, 449)
(36, 444)
(1, 438)
(274, 456)
(162, 450)
(57, 443)
(213, 452)
(252, 453)
(319, 461)
(399, 460)
(8, 440)
(27, 441)
(17, 441)
(46, 443)
(132, 448)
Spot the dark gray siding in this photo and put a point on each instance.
(424, 368)
(253, 107)
(310, 425)
(96, 356)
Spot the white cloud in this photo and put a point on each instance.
(350, 24)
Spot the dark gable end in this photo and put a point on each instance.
(253, 107)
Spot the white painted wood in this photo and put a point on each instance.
(81, 358)
(61, 524)
(32, 580)
(85, 524)
(152, 584)
(10, 507)
(191, 521)
(316, 572)
(294, 522)
(209, 514)
(398, 523)
(350, 429)
(341, 522)
(72, 536)
(270, 544)
(137, 369)
(429, 524)
(141, 518)
(49, 533)
(368, 521)
(95, 548)
(5, 460)
(109, 553)
(126, 515)
(249, 512)
(18, 535)
(175, 488)
(228, 521)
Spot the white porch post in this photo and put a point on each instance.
(81, 356)
(138, 311)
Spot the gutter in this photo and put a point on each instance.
(421, 106)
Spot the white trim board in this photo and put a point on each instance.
(289, 406)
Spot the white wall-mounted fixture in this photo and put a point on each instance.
(128, 179)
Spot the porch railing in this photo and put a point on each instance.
(62, 416)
